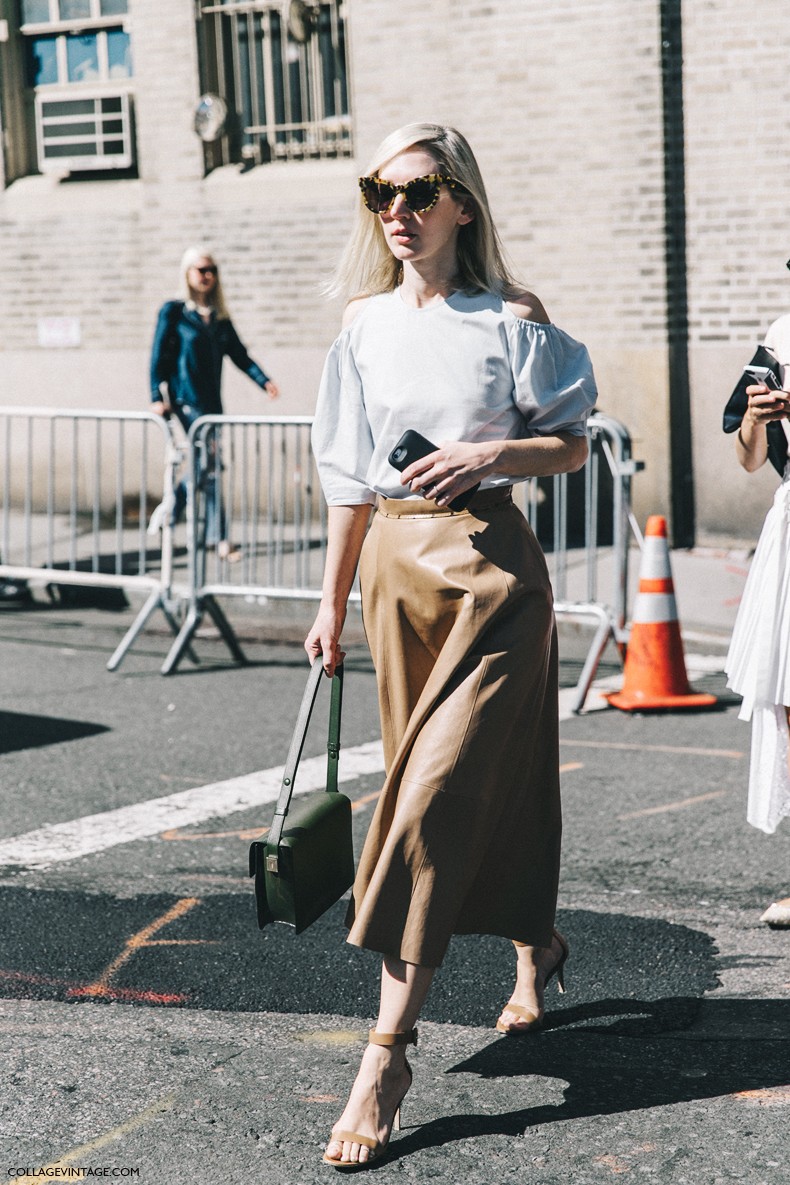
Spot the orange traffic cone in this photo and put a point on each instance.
(655, 669)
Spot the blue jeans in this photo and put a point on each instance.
(213, 520)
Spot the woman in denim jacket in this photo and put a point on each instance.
(192, 338)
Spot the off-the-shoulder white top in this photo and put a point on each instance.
(465, 369)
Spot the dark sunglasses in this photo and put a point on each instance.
(420, 195)
(207, 271)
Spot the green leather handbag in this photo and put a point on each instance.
(306, 862)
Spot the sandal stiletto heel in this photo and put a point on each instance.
(534, 1020)
(377, 1148)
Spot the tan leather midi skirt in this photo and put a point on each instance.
(466, 833)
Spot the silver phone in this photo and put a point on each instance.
(764, 375)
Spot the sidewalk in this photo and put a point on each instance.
(708, 588)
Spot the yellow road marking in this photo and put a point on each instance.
(85, 1150)
(768, 1096)
(247, 833)
(634, 748)
(330, 1037)
(673, 806)
(366, 798)
(570, 765)
(142, 938)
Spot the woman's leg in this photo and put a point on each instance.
(534, 964)
(179, 502)
(383, 1078)
(778, 913)
(211, 484)
(186, 416)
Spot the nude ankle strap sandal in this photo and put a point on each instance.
(535, 1019)
(377, 1147)
(407, 1038)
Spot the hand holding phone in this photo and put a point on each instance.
(776, 404)
(763, 375)
(412, 446)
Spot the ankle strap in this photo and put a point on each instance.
(408, 1038)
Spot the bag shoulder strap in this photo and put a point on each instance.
(298, 740)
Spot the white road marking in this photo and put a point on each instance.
(59, 842)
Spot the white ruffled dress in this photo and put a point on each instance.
(758, 663)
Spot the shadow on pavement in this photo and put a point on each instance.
(18, 731)
(208, 953)
(724, 1047)
(637, 1034)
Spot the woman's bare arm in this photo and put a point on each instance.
(455, 467)
(345, 535)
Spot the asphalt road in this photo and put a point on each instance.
(147, 1025)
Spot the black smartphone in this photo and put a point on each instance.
(411, 447)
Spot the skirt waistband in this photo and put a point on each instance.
(414, 507)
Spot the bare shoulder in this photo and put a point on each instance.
(527, 305)
(353, 309)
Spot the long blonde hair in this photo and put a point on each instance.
(188, 260)
(367, 266)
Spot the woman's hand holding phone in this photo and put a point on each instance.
(766, 405)
(767, 401)
(434, 470)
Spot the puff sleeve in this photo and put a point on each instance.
(341, 438)
(553, 378)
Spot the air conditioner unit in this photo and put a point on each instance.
(75, 133)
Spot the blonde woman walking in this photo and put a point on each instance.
(457, 606)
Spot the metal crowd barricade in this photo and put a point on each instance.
(77, 490)
(585, 533)
(254, 487)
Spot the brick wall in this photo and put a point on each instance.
(570, 147)
(736, 99)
